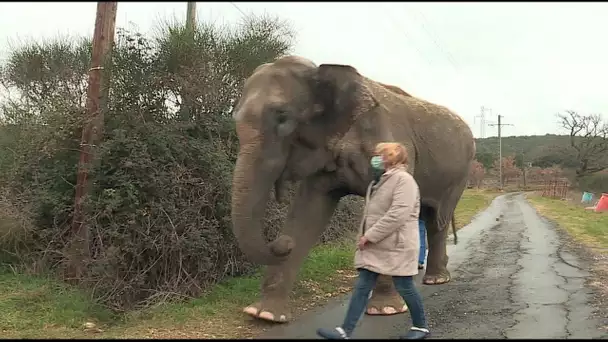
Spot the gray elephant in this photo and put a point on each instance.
(318, 125)
(398, 90)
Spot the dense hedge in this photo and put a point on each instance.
(158, 211)
(596, 183)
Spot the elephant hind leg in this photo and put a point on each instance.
(385, 299)
(437, 259)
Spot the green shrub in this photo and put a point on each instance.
(596, 183)
(158, 210)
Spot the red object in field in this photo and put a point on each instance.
(602, 205)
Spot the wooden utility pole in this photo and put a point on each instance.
(97, 92)
(191, 16)
(500, 124)
(187, 105)
(523, 166)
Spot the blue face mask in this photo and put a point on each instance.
(377, 163)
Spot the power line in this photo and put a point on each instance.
(394, 21)
(447, 53)
(450, 56)
(237, 8)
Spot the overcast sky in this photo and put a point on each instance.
(525, 61)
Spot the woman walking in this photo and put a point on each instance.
(389, 242)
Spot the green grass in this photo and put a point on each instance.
(323, 262)
(586, 226)
(39, 307)
(472, 202)
(30, 303)
(320, 267)
(32, 306)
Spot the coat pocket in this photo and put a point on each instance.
(399, 239)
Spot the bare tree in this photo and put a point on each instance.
(476, 173)
(589, 137)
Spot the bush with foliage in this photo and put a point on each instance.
(159, 205)
(596, 183)
(476, 173)
(510, 171)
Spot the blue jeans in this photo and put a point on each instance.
(366, 282)
(422, 229)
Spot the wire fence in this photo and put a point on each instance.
(555, 188)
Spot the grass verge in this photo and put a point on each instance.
(586, 226)
(40, 307)
(472, 202)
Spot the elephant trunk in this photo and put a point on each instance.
(251, 185)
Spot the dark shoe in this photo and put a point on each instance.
(333, 334)
(416, 334)
(420, 266)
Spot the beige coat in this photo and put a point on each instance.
(390, 223)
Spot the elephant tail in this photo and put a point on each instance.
(454, 229)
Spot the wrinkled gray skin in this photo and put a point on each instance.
(319, 125)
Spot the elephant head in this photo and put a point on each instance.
(289, 112)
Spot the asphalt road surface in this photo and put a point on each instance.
(512, 278)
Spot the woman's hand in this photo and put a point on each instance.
(362, 241)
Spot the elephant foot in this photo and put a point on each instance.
(436, 278)
(385, 304)
(275, 313)
(386, 311)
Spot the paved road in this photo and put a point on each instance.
(512, 278)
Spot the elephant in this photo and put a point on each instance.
(318, 126)
(404, 93)
(395, 89)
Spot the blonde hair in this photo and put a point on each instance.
(393, 153)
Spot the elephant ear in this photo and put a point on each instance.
(340, 96)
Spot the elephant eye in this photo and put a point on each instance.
(285, 124)
(281, 116)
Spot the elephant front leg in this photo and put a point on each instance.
(385, 300)
(309, 214)
(437, 259)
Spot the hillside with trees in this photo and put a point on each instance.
(582, 157)
(539, 150)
